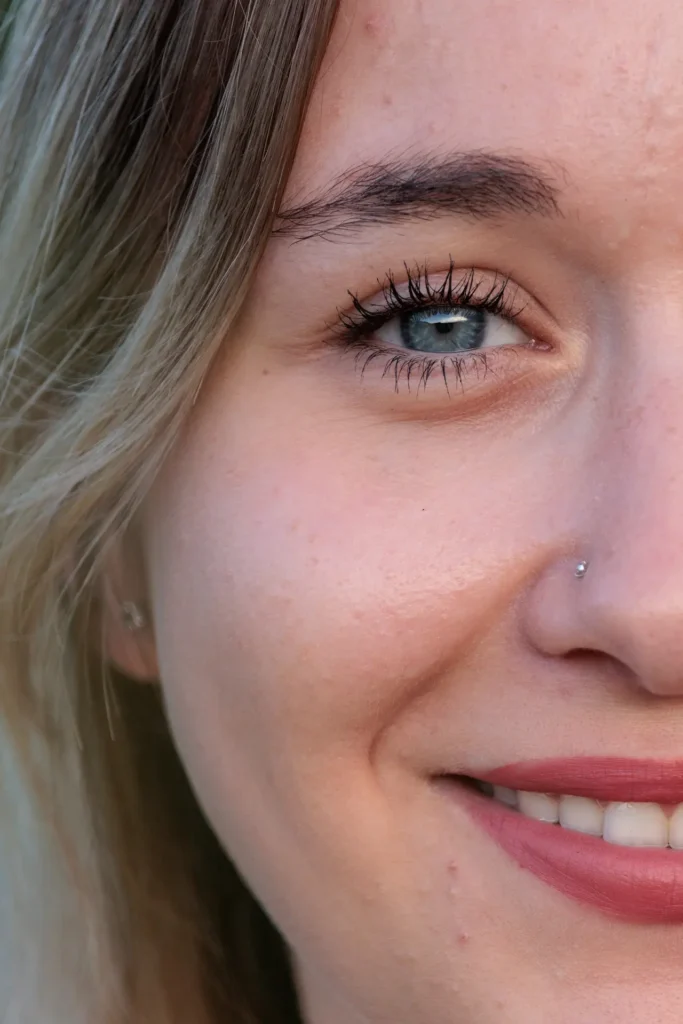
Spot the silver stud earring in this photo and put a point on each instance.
(133, 616)
(581, 570)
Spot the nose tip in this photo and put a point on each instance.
(632, 613)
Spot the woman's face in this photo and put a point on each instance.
(362, 554)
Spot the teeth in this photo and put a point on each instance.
(623, 824)
(676, 829)
(636, 825)
(581, 814)
(541, 806)
(506, 796)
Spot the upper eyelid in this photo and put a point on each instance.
(465, 285)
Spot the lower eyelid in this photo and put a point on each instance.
(415, 373)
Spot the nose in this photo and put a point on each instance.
(628, 527)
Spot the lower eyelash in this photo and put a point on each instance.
(402, 365)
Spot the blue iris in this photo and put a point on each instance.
(449, 330)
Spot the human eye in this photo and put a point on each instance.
(458, 324)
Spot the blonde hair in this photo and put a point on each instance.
(145, 148)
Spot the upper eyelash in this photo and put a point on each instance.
(420, 293)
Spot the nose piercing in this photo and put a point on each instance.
(581, 570)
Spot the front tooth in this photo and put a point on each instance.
(541, 806)
(581, 814)
(676, 829)
(505, 795)
(636, 825)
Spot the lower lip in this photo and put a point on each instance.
(635, 884)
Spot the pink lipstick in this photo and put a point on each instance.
(634, 883)
(601, 778)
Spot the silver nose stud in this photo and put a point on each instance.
(581, 570)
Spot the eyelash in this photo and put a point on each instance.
(355, 330)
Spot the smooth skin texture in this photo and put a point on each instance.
(353, 589)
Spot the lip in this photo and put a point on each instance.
(634, 884)
(601, 778)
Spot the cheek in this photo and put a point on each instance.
(321, 591)
(310, 583)
(300, 604)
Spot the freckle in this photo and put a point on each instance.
(387, 100)
(265, 372)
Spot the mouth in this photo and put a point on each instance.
(606, 832)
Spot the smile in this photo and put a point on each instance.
(606, 832)
(622, 823)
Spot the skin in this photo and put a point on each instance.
(353, 589)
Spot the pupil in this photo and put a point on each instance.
(452, 330)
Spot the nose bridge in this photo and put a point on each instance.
(633, 604)
(640, 478)
(640, 440)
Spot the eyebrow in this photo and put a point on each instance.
(478, 185)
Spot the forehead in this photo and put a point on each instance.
(597, 88)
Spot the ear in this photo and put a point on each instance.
(132, 652)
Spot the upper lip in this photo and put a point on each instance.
(601, 778)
